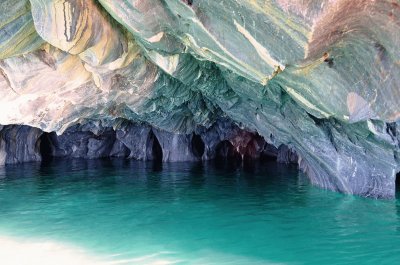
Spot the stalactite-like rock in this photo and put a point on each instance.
(138, 141)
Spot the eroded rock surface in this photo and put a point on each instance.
(134, 140)
(319, 80)
(19, 144)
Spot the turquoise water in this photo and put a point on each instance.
(196, 213)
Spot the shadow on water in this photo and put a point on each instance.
(82, 169)
(262, 179)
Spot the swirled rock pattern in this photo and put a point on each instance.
(317, 79)
(17, 31)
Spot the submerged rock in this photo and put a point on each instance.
(194, 80)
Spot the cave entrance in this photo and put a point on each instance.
(269, 153)
(397, 187)
(156, 153)
(225, 151)
(198, 145)
(46, 147)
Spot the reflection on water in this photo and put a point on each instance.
(195, 213)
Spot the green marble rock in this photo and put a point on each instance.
(319, 76)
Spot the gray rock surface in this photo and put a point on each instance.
(133, 141)
(19, 144)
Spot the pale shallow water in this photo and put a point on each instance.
(127, 212)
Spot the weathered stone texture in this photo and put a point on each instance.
(315, 78)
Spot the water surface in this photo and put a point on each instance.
(193, 213)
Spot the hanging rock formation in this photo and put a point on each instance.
(319, 80)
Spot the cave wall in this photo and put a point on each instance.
(19, 144)
(318, 80)
(134, 141)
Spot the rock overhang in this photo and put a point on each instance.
(318, 76)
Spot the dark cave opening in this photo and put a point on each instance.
(198, 145)
(45, 147)
(398, 184)
(242, 150)
(269, 153)
(225, 151)
(156, 150)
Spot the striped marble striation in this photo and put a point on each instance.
(319, 76)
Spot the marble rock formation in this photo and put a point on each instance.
(317, 79)
(225, 140)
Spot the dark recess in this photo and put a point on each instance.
(46, 147)
(198, 145)
(269, 153)
(226, 151)
(156, 150)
